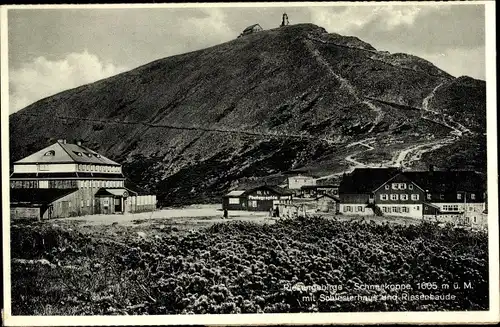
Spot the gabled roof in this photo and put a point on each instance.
(38, 196)
(121, 191)
(273, 188)
(448, 181)
(251, 27)
(366, 180)
(235, 193)
(61, 152)
(333, 197)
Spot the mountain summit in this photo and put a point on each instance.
(188, 127)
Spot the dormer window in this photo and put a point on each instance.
(50, 153)
(98, 155)
(78, 153)
(89, 155)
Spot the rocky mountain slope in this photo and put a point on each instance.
(188, 127)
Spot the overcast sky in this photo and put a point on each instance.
(51, 50)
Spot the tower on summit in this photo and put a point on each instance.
(284, 20)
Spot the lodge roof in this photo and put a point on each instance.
(38, 196)
(273, 188)
(119, 191)
(365, 180)
(235, 193)
(249, 28)
(333, 197)
(444, 181)
(61, 152)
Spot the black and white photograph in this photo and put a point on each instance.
(249, 163)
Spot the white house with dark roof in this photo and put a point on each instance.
(65, 179)
(251, 29)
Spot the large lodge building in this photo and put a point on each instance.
(453, 196)
(64, 180)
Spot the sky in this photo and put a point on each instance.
(51, 50)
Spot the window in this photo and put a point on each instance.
(93, 202)
(459, 196)
(395, 209)
(387, 186)
(50, 153)
(394, 186)
(88, 203)
(404, 197)
(359, 208)
(69, 204)
(43, 167)
(253, 204)
(429, 196)
(234, 201)
(402, 186)
(471, 208)
(410, 186)
(92, 168)
(414, 197)
(384, 197)
(405, 209)
(394, 197)
(467, 220)
(472, 196)
(450, 207)
(417, 207)
(441, 196)
(475, 220)
(81, 203)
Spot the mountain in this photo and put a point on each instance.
(189, 127)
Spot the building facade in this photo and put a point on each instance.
(92, 183)
(457, 197)
(262, 198)
(399, 196)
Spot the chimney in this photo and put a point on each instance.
(79, 142)
(63, 141)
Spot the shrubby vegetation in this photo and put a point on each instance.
(240, 267)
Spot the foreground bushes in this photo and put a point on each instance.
(242, 267)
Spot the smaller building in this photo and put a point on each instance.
(251, 29)
(328, 203)
(296, 179)
(38, 204)
(311, 191)
(234, 200)
(262, 198)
